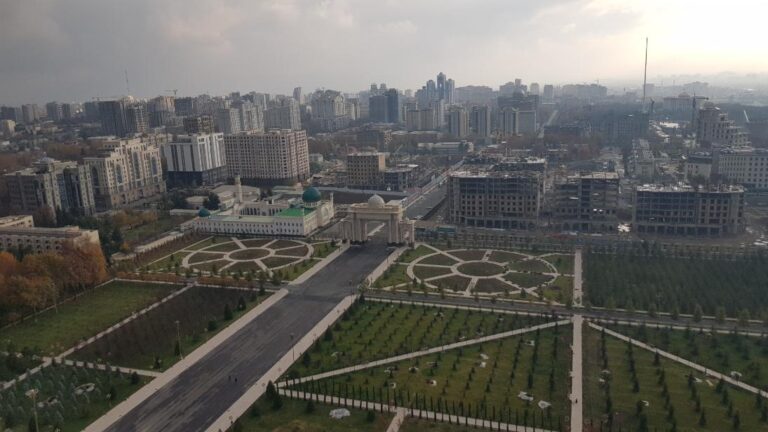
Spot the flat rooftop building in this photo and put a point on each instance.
(587, 202)
(19, 232)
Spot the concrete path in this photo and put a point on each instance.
(434, 303)
(415, 413)
(577, 398)
(688, 363)
(104, 367)
(397, 420)
(577, 278)
(434, 350)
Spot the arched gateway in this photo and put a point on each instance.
(399, 228)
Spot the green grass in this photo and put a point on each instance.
(296, 270)
(532, 265)
(138, 343)
(455, 283)
(283, 244)
(274, 262)
(209, 266)
(394, 275)
(73, 413)
(84, 317)
(299, 251)
(293, 417)
(245, 266)
(415, 425)
(248, 254)
(411, 255)
(480, 269)
(492, 285)
(468, 254)
(527, 280)
(439, 259)
(323, 249)
(721, 352)
(371, 331)
(208, 242)
(505, 257)
(150, 230)
(223, 247)
(480, 378)
(424, 272)
(204, 256)
(650, 388)
(559, 290)
(562, 262)
(255, 242)
(172, 259)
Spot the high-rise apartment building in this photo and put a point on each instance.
(113, 118)
(458, 122)
(251, 116)
(297, 94)
(743, 165)
(714, 128)
(128, 172)
(7, 127)
(394, 106)
(184, 106)
(282, 113)
(11, 113)
(534, 89)
(549, 93)
(53, 111)
(329, 112)
(526, 123)
(29, 113)
(195, 160)
(377, 109)
(365, 170)
(228, 120)
(199, 125)
(58, 186)
(272, 157)
(480, 121)
(508, 121)
(685, 210)
(137, 118)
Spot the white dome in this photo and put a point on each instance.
(376, 201)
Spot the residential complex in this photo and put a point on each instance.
(686, 210)
(128, 172)
(714, 128)
(195, 159)
(273, 157)
(365, 170)
(20, 233)
(588, 202)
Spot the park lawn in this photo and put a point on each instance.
(211, 265)
(223, 247)
(274, 262)
(210, 241)
(245, 266)
(468, 254)
(562, 262)
(735, 285)
(559, 290)
(480, 269)
(411, 255)
(162, 264)
(293, 416)
(142, 233)
(81, 318)
(76, 414)
(373, 331)
(531, 265)
(138, 343)
(439, 259)
(624, 399)
(296, 270)
(255, 242)
(478, 380)
(426, 272)
(284, 244)
(491, 285)
(505, 257)
(198, 257)
(415, 425)
(527, 280)
(394, 275)
(724, 353)
(454, 283)
(323, 249)
(298, 251)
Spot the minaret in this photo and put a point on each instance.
(239, 190)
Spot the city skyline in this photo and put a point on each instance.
(81, 50)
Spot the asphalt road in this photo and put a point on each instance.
(202, 393)
(426, 202)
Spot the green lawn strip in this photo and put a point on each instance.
(296, 270)
(245, 266)
(153, 336)
(532, 265)
(415, 425)
(439, 259)
(283, 244)
(13, 364)
(208, 242)
(53, 332)
(468, 254)
(656, 416)
(211, 266)
(72, 412)
(638, 281)
(394, 275)
(424, 272)
(273, 261)
(411, 254)
(559, 290)
(480, 269)
(492, 285)
(527, 280)
(223, 247)
(248, 254)
(455, 283)
(484, 380)
(293, 416)
(373, 331)
(204, 256)
(562, 262)
(150, 230)
(323, 249)
(255, 242)
(724, 353)
(505, 257)
(298, 251)
(169, 263)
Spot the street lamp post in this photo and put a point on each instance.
(32, 394)
(293, 350)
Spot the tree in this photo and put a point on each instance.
(697, 313)
(652, 310)
(720, 314)
(227, 313)
(310, 408)
(212, 202)
(135, 378)
(744, 318)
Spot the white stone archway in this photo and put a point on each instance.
(400, 230)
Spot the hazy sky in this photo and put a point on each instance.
(69, 50)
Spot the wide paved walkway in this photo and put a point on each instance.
(202, 393)
(577, 398)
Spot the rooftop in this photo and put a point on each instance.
(294, 212)
(683, 187)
